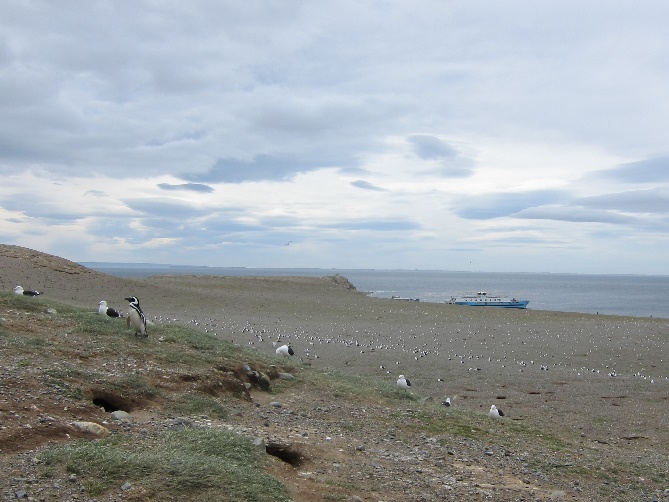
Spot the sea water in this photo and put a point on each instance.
(635, 295)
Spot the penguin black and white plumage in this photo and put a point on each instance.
(495, 412)
(447, 402)
(108, 311)
(403, 382)
(20, 291)
(285, 350)
(136, 317)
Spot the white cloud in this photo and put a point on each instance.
(367, 134)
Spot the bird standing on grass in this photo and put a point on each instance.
(403, 383)
(108, 311)
(20, 291)
(285, 350)
(136, 317)
(495, 413)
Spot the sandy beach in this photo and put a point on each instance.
(588, 377)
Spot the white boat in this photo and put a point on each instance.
(483, 299)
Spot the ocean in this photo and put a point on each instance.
(634, 295)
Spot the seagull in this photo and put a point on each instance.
(108, 311)
(447, 402)
(136, 317)
(285, 350)
(495, 413)
(403, 383)
(20, 291)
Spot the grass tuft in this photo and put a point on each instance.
(194, 463)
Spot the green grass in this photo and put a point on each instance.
(193, 463)
(198, 405)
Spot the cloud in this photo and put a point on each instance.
(575, 213)
(431, 148)
(376, 225)
(279, 167)
(489, 206)
(364, 185)
(193, 187)
(169, 210)
(654, 200)
(451, 164)
(654, 170)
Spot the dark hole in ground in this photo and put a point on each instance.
(285, 453)
(110, 402)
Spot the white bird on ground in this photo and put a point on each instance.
(495, 413)
(447, 402)
(136, 317)
(108, 311)
(285, 350)
(20, 291)
(403, 383)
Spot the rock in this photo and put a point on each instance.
(275, 404)
(92, 428)
(286, 376)
(126, 486)
(259, 379)
(122, 416)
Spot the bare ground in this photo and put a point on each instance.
(585, 396)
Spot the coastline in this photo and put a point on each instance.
(597, 379)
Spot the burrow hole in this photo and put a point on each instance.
(110, 402)
(285, 453)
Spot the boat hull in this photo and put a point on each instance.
(507, 305)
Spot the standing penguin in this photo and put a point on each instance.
(136, 317)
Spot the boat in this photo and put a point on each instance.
(483, 299)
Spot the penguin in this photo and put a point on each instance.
(108, 311)
(20, 291)
(136, 317)
(447, 402)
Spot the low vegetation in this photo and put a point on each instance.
(76, 357)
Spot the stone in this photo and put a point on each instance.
(92, 428)
(122, 416)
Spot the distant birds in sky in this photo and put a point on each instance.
(495, 412)
(136, 317)
(103, 309)
(20, 291)
(285, 350)
(403, 382)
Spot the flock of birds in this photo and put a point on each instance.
(365, 340)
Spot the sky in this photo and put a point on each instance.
(516, 136)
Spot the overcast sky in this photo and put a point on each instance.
(459, 135)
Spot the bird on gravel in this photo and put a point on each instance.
(285, 350)
(136, 317)
(403, 383)
(495, 412)
(447, 402)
